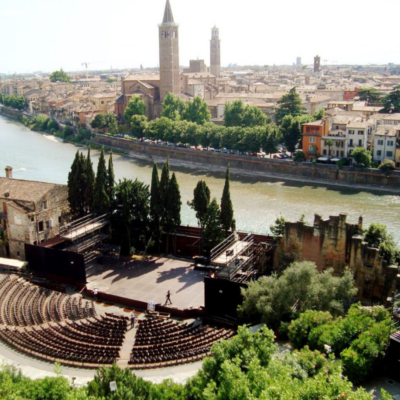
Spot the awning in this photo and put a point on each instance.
(322, 159)
(12, 264)
(335, 159)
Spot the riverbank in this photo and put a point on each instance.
(286, 170)
(282, 170)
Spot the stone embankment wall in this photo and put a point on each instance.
(337, 244)
(346, 176)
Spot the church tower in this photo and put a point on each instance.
(169, 54)
(215, 53)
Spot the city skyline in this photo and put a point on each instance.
(45, 36)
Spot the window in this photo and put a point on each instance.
(312, 139)
(389, 154)
(60, 219)
(324, 152)
(380, 142)
(44, 205)
(351, 132)
(360, 142)
(102, 102)
(390, 143)
(379, 153)
(47, 224)
(360, 132)
(342, 153)
(32, 219)
(41, 226)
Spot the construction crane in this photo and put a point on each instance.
(86, 66)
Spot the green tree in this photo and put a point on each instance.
(110, 184)
(155, 206)
(89, 183)
(300, 287)
(138, 125)
(164, 189)
(40, 122)
(329, 143)
(377, 236)
(227, 220)
(213, 231)
(234, 113)
(101, 201)
(77, 185)
(201, 201)
(67, 132)
(130, 220)
(291, 132)
(299, 156)
(362, 156)
(278, 229)
(108, 122)
(370, 95)
(300, 328)
(172, 107)
(174, 207)
(238, 114)
(197, 111)
(391, 102)
(387, 165)
(135, 106)
(60, 76)
(318, 115)
(289, 104)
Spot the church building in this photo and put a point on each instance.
(153, 87)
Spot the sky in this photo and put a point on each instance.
(45, 35)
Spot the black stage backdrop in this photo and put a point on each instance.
(64, 266)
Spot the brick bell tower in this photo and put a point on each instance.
(169, 54)
(215, 52)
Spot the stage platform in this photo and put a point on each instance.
(150, 280)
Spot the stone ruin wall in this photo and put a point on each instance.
(335, 243)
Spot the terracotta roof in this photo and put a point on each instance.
(19, 189)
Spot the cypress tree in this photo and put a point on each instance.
(174, 207)
(101, 201)
(227, 220)
(89, 180)
(110, 180)
(201, 201)
(81, 184)
(155, 205)
(164, 185)
(213, 234)
(72, 185)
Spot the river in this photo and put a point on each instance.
(257, 201)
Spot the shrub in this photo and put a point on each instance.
(300, 329)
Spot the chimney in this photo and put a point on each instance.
(9, 172)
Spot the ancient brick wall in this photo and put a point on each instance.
(337, 244)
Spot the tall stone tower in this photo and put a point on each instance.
(215, 52)
(169, 54)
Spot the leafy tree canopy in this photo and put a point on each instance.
(108, 122)
(362, 156)
(289, 104)
(135, 106)
(370, 95)
(197, 111)
(391, 102)
(172, 107)
(60, 76)
(238, 114)
(300, 287)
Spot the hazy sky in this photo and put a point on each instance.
(48, 34)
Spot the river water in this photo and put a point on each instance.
(257, 201)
